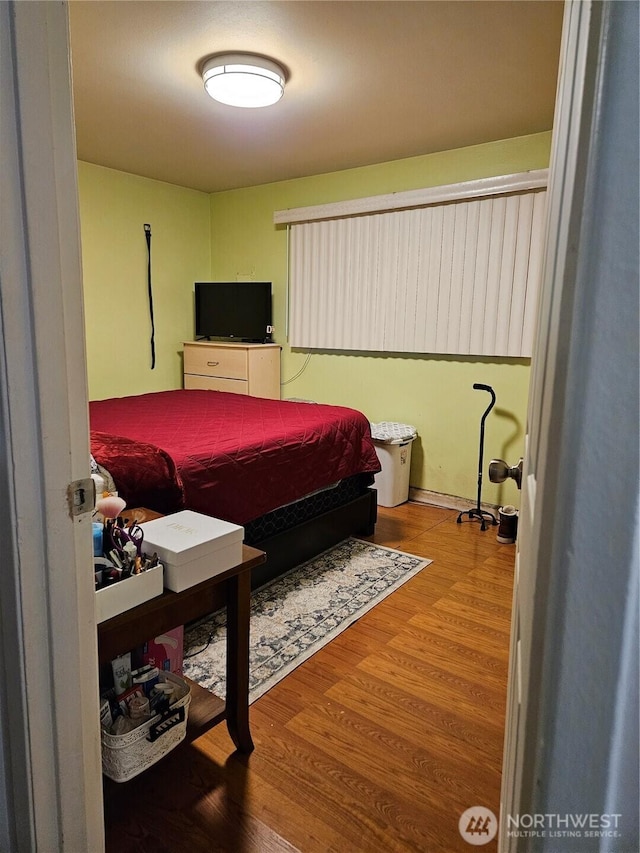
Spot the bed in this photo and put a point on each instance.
(296, 475)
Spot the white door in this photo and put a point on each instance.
(540, 457)
(574, 615)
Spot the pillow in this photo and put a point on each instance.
(143, 474)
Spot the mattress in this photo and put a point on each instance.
(229, 455)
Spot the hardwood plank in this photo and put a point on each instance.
(490, 618)
(393, 532)
(377, 742)
(413, 773)
(466, 633)
(431, 682)
(186, 802)
(446, 730)
(450, 656)
(412, 514)
(305, 790)
(499, 568)
(491, 591)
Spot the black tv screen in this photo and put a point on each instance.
(238, 310)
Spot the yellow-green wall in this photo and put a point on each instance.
(432, 393)
(114, 206)
(231, 234)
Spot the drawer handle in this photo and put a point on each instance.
(213, 363)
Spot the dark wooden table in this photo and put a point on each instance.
(231, 588)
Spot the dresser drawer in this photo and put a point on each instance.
(230, 363)
(245, 368)
(215, 383)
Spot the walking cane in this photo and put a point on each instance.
(477, 511)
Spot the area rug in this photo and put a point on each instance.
(297, 614)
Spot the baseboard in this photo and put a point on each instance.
(424, 496)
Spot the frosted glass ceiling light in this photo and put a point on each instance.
(243, 80)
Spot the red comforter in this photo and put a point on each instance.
(232, 456)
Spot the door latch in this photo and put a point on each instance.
(81, 496)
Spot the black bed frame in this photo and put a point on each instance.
(310, 538)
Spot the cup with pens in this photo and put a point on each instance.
(117, 544)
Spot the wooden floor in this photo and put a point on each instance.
(378, 742)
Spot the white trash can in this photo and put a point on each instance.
(393, 446)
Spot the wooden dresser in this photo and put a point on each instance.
(252, 369)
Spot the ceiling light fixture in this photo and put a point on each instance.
(243, 80)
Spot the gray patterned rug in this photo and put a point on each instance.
(300, 612)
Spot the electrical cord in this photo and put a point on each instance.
(204, 649)
(300, 372)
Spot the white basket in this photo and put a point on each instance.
(390, 432)
(125, 756)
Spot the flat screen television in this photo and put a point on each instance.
(233, 310)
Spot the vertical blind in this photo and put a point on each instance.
(459, 278)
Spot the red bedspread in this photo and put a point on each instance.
(239, 457)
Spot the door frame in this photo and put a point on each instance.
(50, 772)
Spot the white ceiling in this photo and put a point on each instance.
(368, 82)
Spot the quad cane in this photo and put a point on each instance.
(477, 511)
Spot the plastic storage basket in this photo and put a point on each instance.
(125, 756)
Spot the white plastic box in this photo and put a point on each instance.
(393, 445)
(192, 547)
(123, 595)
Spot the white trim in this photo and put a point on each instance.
(501, 185)
(424, 496)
